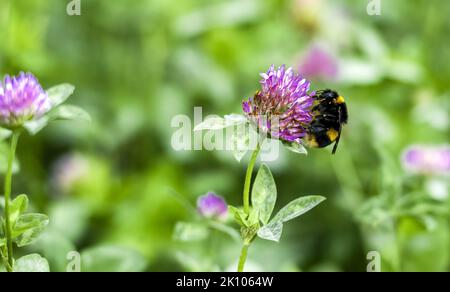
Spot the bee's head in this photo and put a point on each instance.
(327, 94)
(331, 95)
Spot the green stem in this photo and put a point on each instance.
(248, 179)
(8, 179)
(246, 199)
(243, 257)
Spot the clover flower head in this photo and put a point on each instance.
(282, 108)
(212, 206)
(427, 159)
(22, 99)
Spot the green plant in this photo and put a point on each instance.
(283, 111)
(24, 105)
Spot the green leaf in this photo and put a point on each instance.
(71, 112)
(296, 148)
(59, 93)
(271, 231)
(34, 127)
(211, 123)
(264, 193)
(234, 119)
(239, 215)
(5, 133)
(218, 123)
(112, 259)
(296, 208)
(253, 218)
(31, 263)
(18, 206)
(55, 247)
(28, 227)
(242, 219)
(187, 231)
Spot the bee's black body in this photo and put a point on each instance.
(330, 113)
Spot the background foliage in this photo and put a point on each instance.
(114, 189)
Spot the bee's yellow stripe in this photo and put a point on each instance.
(332, 134)
(311, 141)
(340, 100)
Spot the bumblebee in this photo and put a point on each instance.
(329, 115)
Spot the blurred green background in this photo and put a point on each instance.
(115, 189)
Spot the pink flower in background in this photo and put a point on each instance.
(319, 64)
(212, 206)
(427, 159)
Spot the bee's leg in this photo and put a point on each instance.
(336, 144)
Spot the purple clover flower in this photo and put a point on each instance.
(319, 64)
(282, 109)
(212, 206)
(427, 159)
(22, 99)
